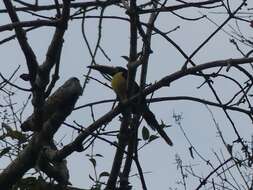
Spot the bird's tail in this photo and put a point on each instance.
(153, 123)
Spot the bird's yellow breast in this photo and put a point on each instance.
(119, 85)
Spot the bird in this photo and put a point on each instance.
(119, 85)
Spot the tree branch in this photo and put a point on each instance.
(77, 143)
(64, 98)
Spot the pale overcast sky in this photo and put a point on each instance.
(157, 159)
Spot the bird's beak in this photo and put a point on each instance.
(104, 69)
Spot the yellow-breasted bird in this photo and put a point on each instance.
(119, 85)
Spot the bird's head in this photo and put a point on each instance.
(109, 70)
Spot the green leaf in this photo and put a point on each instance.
(230, 148)
(96, 187)
(91, 178)
(5, 151)
(93, 161)
(152, 137)
(145, 133)
(6, 127)
(17, 135)
(104, 174)
(191, 152)
(99, 155)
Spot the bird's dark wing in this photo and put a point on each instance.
(153, 123)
